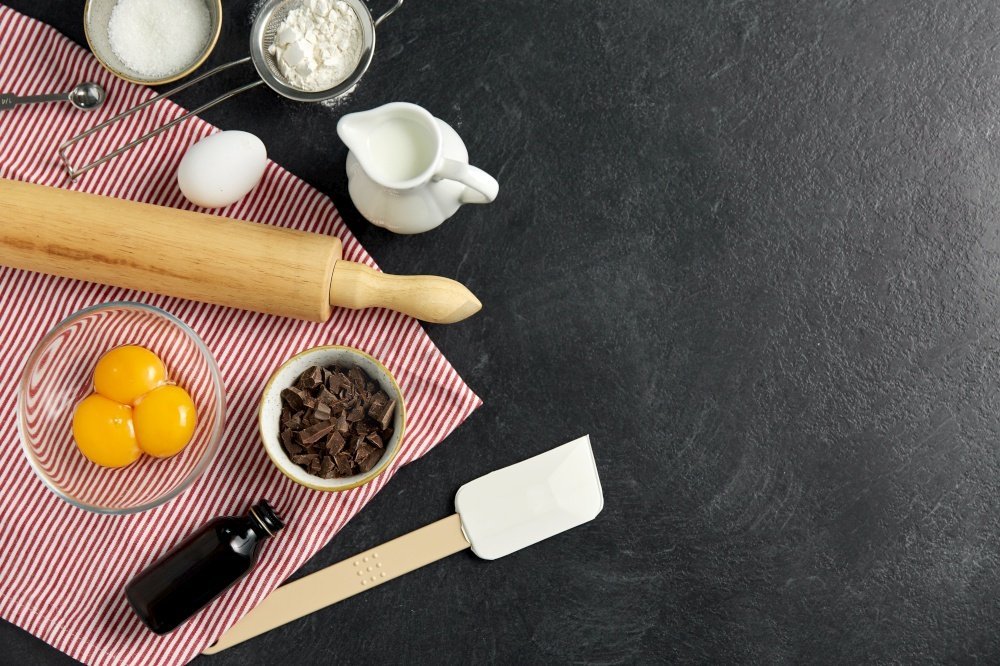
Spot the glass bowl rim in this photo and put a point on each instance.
(207, 457)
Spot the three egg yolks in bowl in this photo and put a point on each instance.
(134, 409)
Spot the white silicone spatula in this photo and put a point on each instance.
(497, 514)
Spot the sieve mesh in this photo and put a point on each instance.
(266, 32)
(267, 36)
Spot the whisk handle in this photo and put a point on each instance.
(73, 171)
(389, 13)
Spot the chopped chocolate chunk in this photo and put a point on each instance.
(322, 412)
(334, 421)
(368, 458)
(364, 450)
(316, 432)
(385, 418)
(344, 464)
(335, 381)
(377, 404)
(335, 442)
(305, 459)
(292, 397)
(357, 377)
(309, 379)
(324, 397)
(326, 468)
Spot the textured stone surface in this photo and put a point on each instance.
(753, 250)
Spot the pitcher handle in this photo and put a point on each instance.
(480, 187)
(388, 13)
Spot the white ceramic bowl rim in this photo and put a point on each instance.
(203, 462)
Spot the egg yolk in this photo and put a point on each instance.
(126, 373)
(104, 432)
(164, 421)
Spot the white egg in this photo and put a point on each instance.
(222, 168)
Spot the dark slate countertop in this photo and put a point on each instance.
(752, 248)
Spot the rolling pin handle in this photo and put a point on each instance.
(426, 297)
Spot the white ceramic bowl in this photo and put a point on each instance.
(269, 413)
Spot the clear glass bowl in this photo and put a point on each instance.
(58, 375)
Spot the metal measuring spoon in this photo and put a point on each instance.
(86, 97)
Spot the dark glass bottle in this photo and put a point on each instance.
(200, 568)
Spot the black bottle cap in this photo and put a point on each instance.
(267, 517)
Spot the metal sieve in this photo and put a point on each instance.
(261, 38)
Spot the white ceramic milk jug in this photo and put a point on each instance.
(408, 171)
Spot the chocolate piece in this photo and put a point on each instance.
(292, 397)
(335, 442)
(322, 412)
(334, 421)
(316, 432)
(366, 457)
(344, 464)
(357, 377)
(326, 468)
(305, 459)
(377, 404)
(336, 381)
(364, 449)
(342, 426)
(324, 397)
(309, 379)
(385, 418)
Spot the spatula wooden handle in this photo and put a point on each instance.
(345, 579)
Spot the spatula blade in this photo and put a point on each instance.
(520, 505)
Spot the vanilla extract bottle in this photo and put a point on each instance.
(200, 568)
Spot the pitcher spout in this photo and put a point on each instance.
(355, 128)
(398, 144)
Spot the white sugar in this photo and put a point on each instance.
(158, 38)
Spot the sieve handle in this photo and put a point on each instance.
(388, 13)
(74, 172)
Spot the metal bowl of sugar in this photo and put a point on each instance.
(152, 41)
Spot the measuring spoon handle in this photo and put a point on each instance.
(9, 101)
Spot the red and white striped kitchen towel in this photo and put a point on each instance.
(62, 570)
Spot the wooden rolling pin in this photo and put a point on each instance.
(206, 258)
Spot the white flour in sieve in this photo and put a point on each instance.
(318, 44)
(157, 38)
